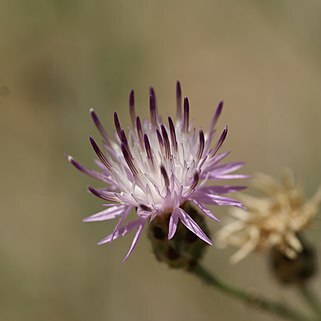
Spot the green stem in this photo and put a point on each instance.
(254, 300)
(311, 298)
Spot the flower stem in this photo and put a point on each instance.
(311, 298)
(252, 299)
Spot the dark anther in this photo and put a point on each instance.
(219, 142)
(186, 115)
(178, 100)
(117, 124)
(132, 107)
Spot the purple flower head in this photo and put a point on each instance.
(157, 166)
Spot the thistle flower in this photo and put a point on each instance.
(273, 221)
(156, 167)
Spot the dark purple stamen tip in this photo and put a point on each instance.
(178, 90)
(132, 107)
(94, 191)
(152, 106)
(165, 176)
(139, 131)
(94, 117)
(99, 194)
(117, 124)
(219, 142)
(216, 115)
(224, 133)
(148, 148)
(145, 207)
(99, 126)
(74, 163)
(172, 133)
(124, 140)
(100, 154)
(131, 98)
(160, 139)
(152, 92)
(201, 145)
(129, 159)
(166, 142)
(195, 180)
(178, 100)
(219, 108)
(186, 115)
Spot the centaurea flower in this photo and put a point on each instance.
(156, 167)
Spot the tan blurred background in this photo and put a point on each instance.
(59, 58)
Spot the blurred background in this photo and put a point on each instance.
(59, 58)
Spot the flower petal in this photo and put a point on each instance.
(230, 176)
(120, 222)
(221, 189)
(193, 226)
(92, 173)
(173, 222)
(205, 211)
(120, 232)
(216, 116)
(104, 195)
(213, 199)
(227, 168)
(107, 214)
(136, 238)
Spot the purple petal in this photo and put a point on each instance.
(219, 142)
(172, 133)
(117, 124)
(120, 222)
(108, 214)
(213, 199)
(178, 101)
(120, 232)
(216, 159)
(193, 226)
(89, 172)
(105, 195)
(153, 107)
(139, 131)
(201, 145)
(230, 176)
(216, 116)
(135, 240)
(99, 126)
(227, 168)
(132, 107)
(100, 154)
(205, 210)
(211, 163)
(186, 115)
(222, 189)
(173, 221)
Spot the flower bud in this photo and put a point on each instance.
(185, 249)
(294, 270)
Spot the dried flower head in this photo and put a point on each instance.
(157, 166)
(296, 270)
(273, 221)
